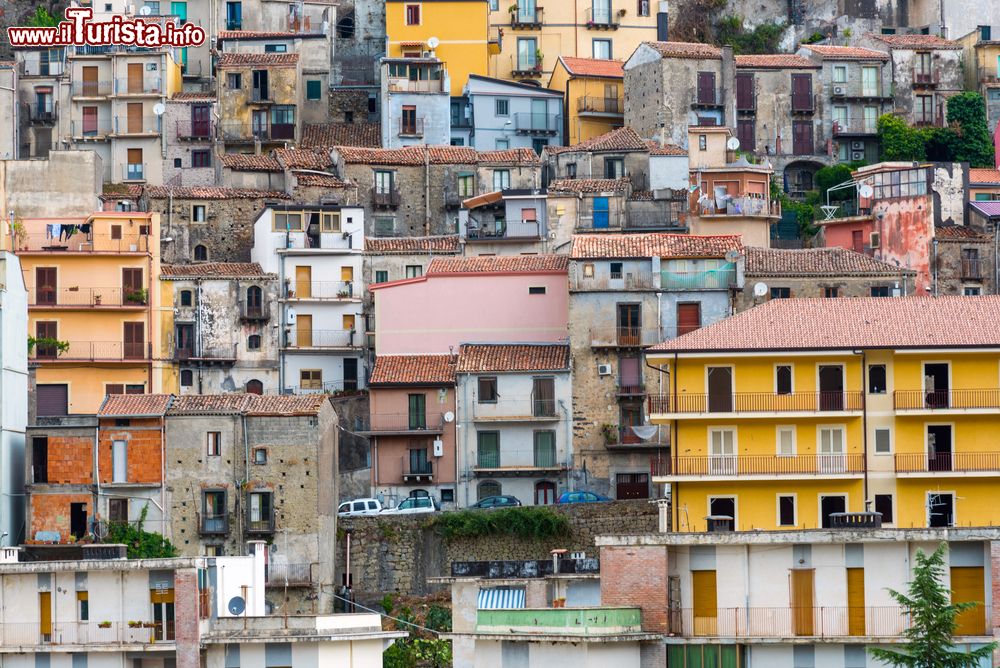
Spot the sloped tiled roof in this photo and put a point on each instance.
(916, 41)
(619, 139)
(498, 264)
(589, 185)
(248, 162)
(411, 155)
(436, 155)
(666, 149)
(777, 61)
(194, 96)
(413, 370)
(960, 233)
(510, 156)
(265, 34)
(212, 192)
(135, 405)
(297, 158)
(286, 404)
(210, 404)
(694, 50)
(258, 59)
(593, 67)
(834, 52)
(983, 175)
(327, 135)
(312, 179)
(653, 244)
(828, 262)
(121, 191)
(851, 323)
(213, 269)
(248, 404)
(988, 209)
(507, 357)
(408, 245)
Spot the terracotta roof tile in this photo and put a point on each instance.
(286, 404)
(407, 245)
(312, 179)
(413, 370)
(851, 323)
(833, 52)
(297, 158)
(653, 244)
(437, 155)
(666, 149)
(510, 156)
(193, 97)
(687, 50)
(258, 59)
(499, 264)
(593, 67)
(247, 162)
(981, 175)
(412, 155)
(121, 191)
(121, 405)
(916, 41)
(327, 135)
(828, 262)
(960, 233)
(213, 269)
(641, 196)
(507, 357)
(619, 139)
(264, 34)
(213, 192)
(781, 61)
(589, 185)
(210, 404)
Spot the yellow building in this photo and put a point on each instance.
(454, 30)
(803, 413)
(593, 96)
(93, 307)
(531, 36)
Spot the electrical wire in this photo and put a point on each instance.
(395, 619)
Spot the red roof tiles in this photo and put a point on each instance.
(849, 324)
(653, 244)
(593, 67)
(512, 357)
(135, 405)
(510, 156)
(327, 135)
(619, 139)
(666, 149)
(213, 192)
(828, 262)
(499, 264)
(408, 245)
(248, 162)
(227, 60)
(589, 186)
(832, 52)
(960, 232)
(286, 404)
(436, 155)
(413, 370)
(264, 34)
(214, 270)
(297, 158)
(779, 61)
(193, 97)
(693, 50)
(986, 176)
(210, 404)
(312, 179)
(916, 41)
(248, 404)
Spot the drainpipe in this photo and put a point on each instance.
(996, 258)
(149, 305)
(674, 446)
(569, 445)
(934, 255)
(864, 423)
(97, 466)
(427, 192)
(197, 331)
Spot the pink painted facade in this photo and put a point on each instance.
(439, 312)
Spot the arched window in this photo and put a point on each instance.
(255, 387)
(253, 342)
(255, 299)
(345, 25)
(185, 298)
(545, 493)
(419, 492)
(488, 488)
(200, 253)
(187, 378)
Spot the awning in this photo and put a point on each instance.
(500, 598)
(482, 200)
(418, 43)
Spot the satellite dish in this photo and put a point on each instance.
(237, 605)
(733, 144)
(759, 289)
(449, 417)
(644, 431)
(433, 42)
(865, 190)
(145, 10)
(159, 107)
(733, 255)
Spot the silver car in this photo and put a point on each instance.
(413, 505)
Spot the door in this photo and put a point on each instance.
(602, 213)
(629, 379)
(629, 325)
(744, 93)
(720, 389)
(802, 601)
(940, 509)
(632, 486)
(303, 282)
(870, 116)
(856, 601)
(939, 447)
(259, 123)
(830, 505)
(200, 120)
(722, 458)
(52, 399)
(134, 110)
(46, 330)
(745, 133)
(688, 317)
(132, 290)
(135, 340)
(185, 341)
(611, 104)
(134, 170)
(936, 385)
(119, 461)
(543, 393)
(629, 415)
(967, 586)
(545, 493)
(46, 286)
(260, 86)
(706, 88)
(78, 519)
(526, 11)
(90, 84)
(539, 115)
(858, 241)
(831, 388)
(350, 373)
(831, 450)
(45, 615)
(705, 600)
(135, 77)
(347, 277)
(417, 411)
(162, 601)
(304, 331)
(802, 92)
(802, 137)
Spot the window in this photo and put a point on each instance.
(186, 297)
(178, 163)
(527, 54)
(831, 293)
(502, 106)
(487, 488)
(571, 170)
(82, 606)
(234, 15)
(786, 510)
(417, 411)
(971, 290)
(615, 269)
(408, 120)
(329, 222)
(781, 293)
(785, 441)
(487, 390)
(275, 48)
(187, 378)
(414, 271)
(537, 290)
(501, 144)
(201, 159)
(601, 49)
(384, 181)
(614, 168)
(253, 342)
(200, 253)
(234, 81)
(501, 179)
(588, 270)
(642, 7)
(311, 379)
(118, 510)
(702, 142)
(260, 511)
(119, 461)
(901, 183)
(412, 15)
(883, 504)
(214, 441)
(783, 379)
(466, 184)
(883, 441)
(260, 456)
(214, 517)
(198, 214)
(840, 74)
(724, 509)
(381, 276)
(254, 386)
(288, 221)
(545, 449)
(488, 449)
(876, 379)
(880, 291)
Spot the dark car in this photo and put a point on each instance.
(497, 502)
(581, 497)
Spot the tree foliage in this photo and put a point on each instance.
(140, 544)
(731, 31)
(529, 522)
(898, 141)
(828, 177)
(965, 139)
(42, 19)
(933, 620)
(423, 647)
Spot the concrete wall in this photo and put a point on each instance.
(489, 127)
(67, 184)
(13, 397)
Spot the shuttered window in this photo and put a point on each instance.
(968, 586)
(802, 601)
(706, 602)
(856, 601)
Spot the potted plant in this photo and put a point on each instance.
(512, 9)
(97, 300)
(134, 624)
(342, 294)
(559, 602)
(48, 346)
(137, 296)
(610, 433)
(149, 625)
(104, 625)
(538, 59)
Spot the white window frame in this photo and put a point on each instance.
(875, 449)
(496, 107)
(927, 506)
(821, 456)
(775, 375)
(777, 440)
(839, 68)
(777, 509)
(819, 504)
(736, 507)
(723, 464)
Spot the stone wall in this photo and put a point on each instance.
(398, 553)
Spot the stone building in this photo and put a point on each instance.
(42, 83)
(259, 100)
(395, 258)
(189, 131)
(254, 171)
(981, 64)
(819, 272)
(208, 224)
(244, 467)
(966, 260)
(224, 333)
(628, 292)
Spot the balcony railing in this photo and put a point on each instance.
(261, 526)
(134, 172)
(590, 621)
(213, 524)
(401, 423)
(630, 280)
(854, 126)
(604, 18)
(708, 98)
(144, 125)
(418, 471)
(218, 353)
(515, 410)
(526, 19)
(529, 229)
(973, 269)
(93, 351)
(261, 311)
(83, 634)
(83, 297)
(624, 337)
(529, 122)
(710, 279)
(920, 400)
(924, 78)
(323, 338)
(628, 438)
(358, 76)
(385, 200)
(92, 129)
(399, 85)
(195, 129)
(511, 459)
(411, 128)
(145, 86)
(293, 575)
(788, 622)
(323, 290)
(739, 206)
(724, 466)
(42, 113)
(956, 462)
(757, 402)
(81, 243)
(859, 91)
(601, 105)
(92, 88)
(929, 120)
(530, 66)
(666, 217)
(245, 132)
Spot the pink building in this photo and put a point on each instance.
(482, 299)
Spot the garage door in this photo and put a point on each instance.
(53, 399)
(632, 486)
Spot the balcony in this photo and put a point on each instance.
(322, 339)
(213, 525)
(400, 85)
(146, 86)
(42, 114)
(224, 355)
(609, 336)
(623, 390)
(948, 462)
(261, 526)
(279, 574)
(589, 622)
(97, 128)
(711, 279)
(401, 424)
(709, 99)
(928, 120)
(531, 123)
(516, 462)
(854, 127)
(323, 291)
(243, 132)
(859, 91)
(385, 199)
(528, 67)
(504, 231)
(973, 269)
(358, 76)
(602, 18)
(755, 404)
(624, 438)
(526, 18)
(254, 312)
(804, 104)
(600, 106)
(669, 217)
(789, 622)
(137, 126)
(758, 466)
(925, 79)
(92, 89)
(936, 401)
(88, 298)
(134, 172)
(411, 128)
(418, 472)
(32, 637)
(631, 280)
(194, 130)
(78, 242)
(93, 351)
(516, 410)
(739, 206)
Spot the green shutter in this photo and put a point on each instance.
(180, 10)
(314, 89)
(982, 197)
(418, 416)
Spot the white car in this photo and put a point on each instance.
(359, 507)
(413, 505)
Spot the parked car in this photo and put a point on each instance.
(505, 501)
(413, 505)
(359, 507)
(581, 497)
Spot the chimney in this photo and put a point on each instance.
(662, 34)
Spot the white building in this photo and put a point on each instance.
(515, 426)
(13, 395)
(317, 253)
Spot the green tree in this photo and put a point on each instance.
(898, 141)
(730, 30)
(968, 136)
(139, 543)
(933, 621)
(42, 19)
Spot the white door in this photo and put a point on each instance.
(723, 458)
(119, 462)
(831, 450)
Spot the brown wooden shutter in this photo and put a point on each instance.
(52, 399)
(135, 77)
(802, 601)
(802, 137)
(968, 586)
(745, 133)
(46, 285)
(134, 340)
(135, 156)
(801, 92)
(856, 601)
(114, 388)
(706, 87)
(46, 330)
(688, 318)
(131, 279)
(134, 118)
(706, 602)
(90, 85)
(744, 91)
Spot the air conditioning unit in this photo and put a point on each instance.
(438, 447)
(425, 54)
(857, 146)
(857, 155)
(603, 369)
(838, 90)
(874, 240)
(290, 317)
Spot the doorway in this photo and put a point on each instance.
(720, 389)
(632, 486)
(303, 331)
(688, 317)
(629, 324)
(936, 385)
(940, 509)
(303, 282)
(350, 373)
(78, 519)
(722, 513)
(831, 387)
(939, 447)
(545, 493)
(830, 505)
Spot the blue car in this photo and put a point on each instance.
(581, 497)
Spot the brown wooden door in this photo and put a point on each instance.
(135, 77)
(303, 282)
(745, 132)
(303, 331)
(134, 117)
(46, 286)
(200, 120)
(632, 486)
(967, 586)
(802, 601)
(720, 389)
(802, 92)
(46, 330)
(629, 324)
(802, 137)
(135, 340)
(856, 601)
(744, 91)
(688, 317)
(45, 614)
(132, 291)
(706, 88)
(90, 85)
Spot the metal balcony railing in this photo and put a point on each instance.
(757, 402)
(246, 132)
(855, 126)
(195, 129)
(249, 311)
(90, 129)
(358, 76)
(218, 353)
(515, 409)
(92, 88)
(213, 524)
(504, 230)
(602, 18)
(261, 526)
(712, 279)
(725, 466)
(79, 242)
(667, 216)
(145, 86)
(143, 125)
(490, 459)
(529, 122)
(93, 351)
(418, 470)
(909, 400)
(83, 634)
(601, 105)
(323, 338)
(788, 621)
(323, 290)
(401, 423)
(399, 85)
(411, 128)
(925, 78)
(738, 206)
(630, 280)
(385, 199)
(134, 172)
(526, 18)
(958, 462)
(89, 297)
(42, 113)
(628, 437)
(530, 65)
(279, 574)
(624, 337)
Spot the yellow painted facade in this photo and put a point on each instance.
(593, 105)
(93, 287)
(926, 445)
(460, 28)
